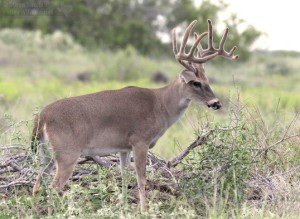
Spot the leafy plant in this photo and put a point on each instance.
(220, 169)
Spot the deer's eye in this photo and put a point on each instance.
(197, 84)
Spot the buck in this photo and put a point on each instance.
(125, 120)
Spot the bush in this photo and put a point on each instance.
(239, 163)
(220, 169)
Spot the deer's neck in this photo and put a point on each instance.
(173, 103)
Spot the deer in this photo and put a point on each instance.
(122, 121)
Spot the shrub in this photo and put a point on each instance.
(220, 169)
(240, 163)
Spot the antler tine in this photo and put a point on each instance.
(210, 35)
(197, 42)
(186, 36)
(232, 50)
(199, 47)
(224, 37)
(233, 57)
(175, 51)
(174, 42)
(222, 51)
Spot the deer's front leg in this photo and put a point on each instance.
(140, 154)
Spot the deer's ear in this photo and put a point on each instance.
(188, 76)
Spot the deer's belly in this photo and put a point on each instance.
(105, 143)
(103, 151)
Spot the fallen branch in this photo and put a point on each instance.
(16, 183)
(10, 166)
(154, 161)
(7, 147)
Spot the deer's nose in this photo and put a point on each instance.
(214, 104)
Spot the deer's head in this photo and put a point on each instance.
(195, 84)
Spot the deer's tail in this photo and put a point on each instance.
(37, 133)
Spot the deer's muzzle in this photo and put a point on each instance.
(214, 104)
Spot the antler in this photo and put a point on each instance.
(205, 54)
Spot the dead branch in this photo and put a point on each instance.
(10, 166)
(154, 161)
(16, 183)
(199, 141)
(7, 147)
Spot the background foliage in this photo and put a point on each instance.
(116, 24)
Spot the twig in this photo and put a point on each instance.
(284, 137)
(291, 124)
(8, 147)
(199, 141)
(15, 183)
(276, 143)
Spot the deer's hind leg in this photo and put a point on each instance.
(65, 164)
